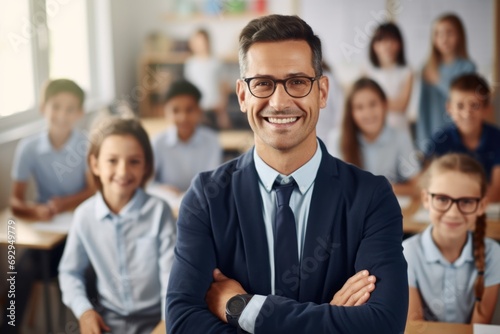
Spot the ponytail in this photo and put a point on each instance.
(479, 256)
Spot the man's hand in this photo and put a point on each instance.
(57, 205)
(91, 323)
(356, 291)
(220, 291)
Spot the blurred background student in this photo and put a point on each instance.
(468, 133)
(448, 59)
(389, 69)
(55, 159)
(185, 148)
(205, 71)
(367, 141)
(453, 270)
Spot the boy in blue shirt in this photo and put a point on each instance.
(55, 159)
(467, 106)
(187, 148)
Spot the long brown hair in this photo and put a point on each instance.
(349, 143)
(435, 57)
(465, 164)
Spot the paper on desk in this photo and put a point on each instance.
(421, 216)
(485, 329)
(173, 200)
(61, 223)
(493, 211)
(404, 201)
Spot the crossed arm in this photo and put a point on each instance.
(356, 291)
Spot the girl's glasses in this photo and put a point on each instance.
(443, 203)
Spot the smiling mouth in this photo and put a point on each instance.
(276, 120)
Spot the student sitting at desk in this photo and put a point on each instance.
(468, 104)
(367, 141)
(186, 148)
(55, 159)
(453, 270)
(125, 234)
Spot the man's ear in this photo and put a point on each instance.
(425, 199)
(324, 85)
(241, 92)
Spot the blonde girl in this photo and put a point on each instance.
(453, 270)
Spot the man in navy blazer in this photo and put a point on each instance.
(348, 222)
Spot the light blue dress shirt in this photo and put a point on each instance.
(447, 289)
(131, 253)
(299, 202)
(56, 172)
(177, 162)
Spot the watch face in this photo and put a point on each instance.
(235, 305)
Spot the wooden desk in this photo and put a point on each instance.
(412, 227)
(230, 140)
(427, 327)
(27, 236)
(412, 327)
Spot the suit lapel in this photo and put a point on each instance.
(318, 244)
(249, 207)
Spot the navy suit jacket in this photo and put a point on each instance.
(354, 223)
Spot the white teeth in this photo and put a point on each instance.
(282, 120)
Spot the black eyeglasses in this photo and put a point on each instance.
(263, 87)
(443, 203)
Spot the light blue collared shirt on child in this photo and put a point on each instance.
(131, 253)
(177, 162)
(299, 202)
(56, 172)
(447, 289)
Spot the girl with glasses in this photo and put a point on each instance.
(453, 270)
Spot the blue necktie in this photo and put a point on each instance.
(286, 254)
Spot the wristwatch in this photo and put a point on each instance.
(234, 308)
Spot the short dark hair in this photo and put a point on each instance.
(182, 87)
(474, 83)
(122, 126)
(387, 30)
(277, 28)
(54, 87)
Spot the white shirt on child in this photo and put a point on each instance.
(447, 289)
(178, 162)
(56, 172)
(131, 252)
(206, 75)
(392, 80)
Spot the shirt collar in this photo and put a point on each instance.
(45, 146)
(432, 253)
(304, 176)
(130, 210)
(172, 139)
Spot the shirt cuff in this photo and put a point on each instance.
(80, 305)
(249, 315)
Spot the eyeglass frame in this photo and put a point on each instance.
(455, 201)
(283, 82)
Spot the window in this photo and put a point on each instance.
(42, 39)
(16, 66)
